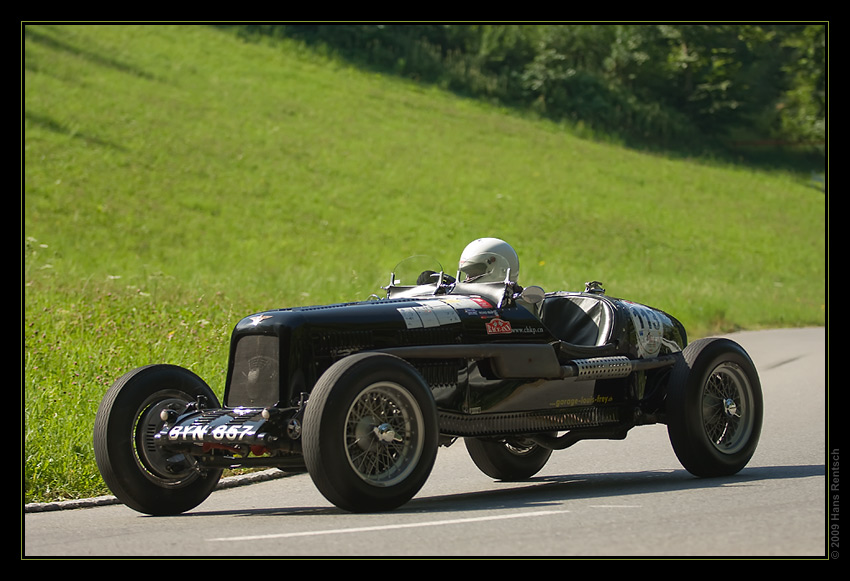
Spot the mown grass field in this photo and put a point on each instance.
(176, 178)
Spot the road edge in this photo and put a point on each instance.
(229, 482)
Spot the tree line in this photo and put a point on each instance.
(649, 84)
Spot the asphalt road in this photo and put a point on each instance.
(596, 499)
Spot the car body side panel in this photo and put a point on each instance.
(277, 356)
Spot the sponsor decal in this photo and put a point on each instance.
(444, 311)
(583, 400)
(528, 329)
(467, 302)
(498, 327)
(432, 314)
(482, 313)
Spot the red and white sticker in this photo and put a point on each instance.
(467, 302)
(498, 327)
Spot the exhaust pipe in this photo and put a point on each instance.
(612, 367)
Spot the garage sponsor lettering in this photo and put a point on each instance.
(579, 401)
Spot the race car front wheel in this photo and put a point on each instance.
(370, 433)
(714, 408)
(139, 473)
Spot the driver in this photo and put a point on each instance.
(489, 260)
(493, 260)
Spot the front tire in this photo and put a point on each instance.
(139, 473)
(714, 408)
(370, 433)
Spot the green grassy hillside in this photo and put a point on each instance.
(177, 178)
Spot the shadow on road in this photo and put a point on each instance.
(540, 491)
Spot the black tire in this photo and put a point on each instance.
(137, 472)
(714, 408)
(507, 460)
(370, 433)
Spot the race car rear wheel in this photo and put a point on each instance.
(370, 433)
(714, 408)
(139, 473)
(507, 459)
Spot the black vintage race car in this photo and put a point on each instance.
(361, 395)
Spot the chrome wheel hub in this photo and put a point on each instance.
(385, 434)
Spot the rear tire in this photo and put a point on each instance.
(370, 433)
(714, 408)
(507, 460)
(139, 473)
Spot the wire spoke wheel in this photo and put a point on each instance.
(726, 408)
(370, 432)
(714, 408)
(383, 435)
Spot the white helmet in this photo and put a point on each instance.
(489, 260)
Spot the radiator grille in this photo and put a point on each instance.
(256, 372)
